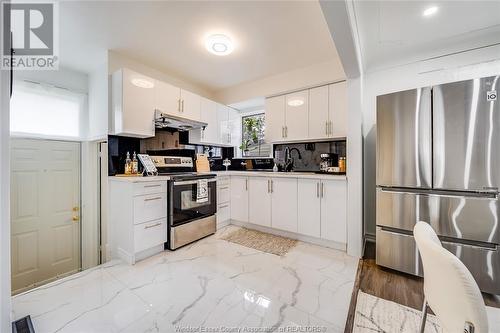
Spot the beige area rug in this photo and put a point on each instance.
(261, 241)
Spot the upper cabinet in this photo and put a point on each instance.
(208, 114)
(133, 104)
(167, 98)
(317, 113)
(190, 105)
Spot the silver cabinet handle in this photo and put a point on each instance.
(286, 131)
(317, 190)
(268, 186)
(330, 127)
(322, 190)
(157, 185)
(182, 104)
(152, 226)
(246, 184)
(326, 127)
(272, 186)
(152, 199)
(179, 105)
(223, 188)
(224, 206)
(282, 131)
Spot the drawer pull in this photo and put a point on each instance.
(152, 226)
(151, 199)
(157, 185)
(224, 206)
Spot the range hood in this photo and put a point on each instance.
(163, 120)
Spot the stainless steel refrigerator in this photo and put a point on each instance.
(438, 161)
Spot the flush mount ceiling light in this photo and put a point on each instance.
(295, 102)
(219, 44)
(430, 11)
(142, 83)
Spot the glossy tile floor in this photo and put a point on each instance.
(212, 284)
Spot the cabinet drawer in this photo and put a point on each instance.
(150, 207)
(150, 234)
(222, 181)
(142, 188)
(223, 194)
(223, 213)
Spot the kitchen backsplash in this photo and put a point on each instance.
(310, 153)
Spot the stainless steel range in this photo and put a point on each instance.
(192, 200)
(438, 161)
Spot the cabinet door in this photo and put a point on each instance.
(259, 201)
(334, 210)
(167, 98)
(297, 116)
(190, 105)
(239, 198)
(223, 123)
(275, 119)
(338, 109)
(318, 113)
(284, 204)
(209, 116)
(234, 127)
(309, 207)
(136, 115)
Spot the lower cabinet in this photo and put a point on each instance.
(309, 207)
(284, 204)
(223, 201)
(259, 201)
(137, 218)
(239, 198)
(322, 210)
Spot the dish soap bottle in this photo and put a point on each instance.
(128, 164)
(275, 167)
(135, 164)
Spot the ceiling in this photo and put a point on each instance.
(395, 32)
(271, 37)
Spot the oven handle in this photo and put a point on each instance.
(191, 182)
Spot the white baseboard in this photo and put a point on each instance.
(292, 235)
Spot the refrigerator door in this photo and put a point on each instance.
(398, 251)
(404, 140)
(466, 131)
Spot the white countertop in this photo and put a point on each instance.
(308, 175)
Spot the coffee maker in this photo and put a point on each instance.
(329, 162)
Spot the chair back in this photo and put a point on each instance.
(450, 290)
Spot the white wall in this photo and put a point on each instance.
(98, 102)
(5, 304)
(117, 61)
(277, 84)
(462, 66)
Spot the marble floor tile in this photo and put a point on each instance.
(211, 283)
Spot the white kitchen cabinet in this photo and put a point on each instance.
(133, 104)
(223, 201)
(223, 123)
(309, 207)
(190, 105)
(275, 119)
(137, 218)
(259, 201)
(338, 109)
(234, 119)
(334, 210)
(208, 114)
(239, 198)
(167, 98)
(296, 116)
(284, 204)
(319, 113)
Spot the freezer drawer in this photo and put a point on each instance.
(404, 139)
(466, 133)
(401, 210)
(399, 251)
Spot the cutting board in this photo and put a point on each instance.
(202, 164)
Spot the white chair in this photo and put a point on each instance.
(449, 288)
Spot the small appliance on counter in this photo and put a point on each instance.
(332, 164)
(252, 164)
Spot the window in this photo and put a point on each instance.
(45, 111)
(252, 140)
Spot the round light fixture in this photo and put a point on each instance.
(295, 102)
(430, 11)
(142, 83)
(219, 44)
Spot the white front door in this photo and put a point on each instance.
(45, 211)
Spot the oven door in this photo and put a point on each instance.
(184, 206)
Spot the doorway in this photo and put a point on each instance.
(45, 211)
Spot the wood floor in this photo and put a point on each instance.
(391, 285)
